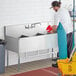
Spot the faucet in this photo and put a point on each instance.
(32, 25)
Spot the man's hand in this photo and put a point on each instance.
(51, 29)
(54, 28)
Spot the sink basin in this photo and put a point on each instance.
(22, 36)
(38, 34)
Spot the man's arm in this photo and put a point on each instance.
(56, 22)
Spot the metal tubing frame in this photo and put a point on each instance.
(73, 16)
(5, 46)
(18, 62)
(18, 67)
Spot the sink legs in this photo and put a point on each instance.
(7, 58)
(18, 62)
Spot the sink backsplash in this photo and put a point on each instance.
(26, 29)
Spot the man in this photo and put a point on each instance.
(62, 15)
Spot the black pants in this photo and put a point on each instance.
(69, 44)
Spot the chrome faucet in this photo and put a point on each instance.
(32, 25)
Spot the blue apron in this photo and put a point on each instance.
(62, 42)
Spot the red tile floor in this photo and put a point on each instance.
(51, 71)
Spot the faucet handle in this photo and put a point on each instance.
(32, 25)
(27, 27)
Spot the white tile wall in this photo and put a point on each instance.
(24, 11)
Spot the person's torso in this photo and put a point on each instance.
(64, 18)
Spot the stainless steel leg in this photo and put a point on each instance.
(18, 62)
(7, 58)
(52, 53)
